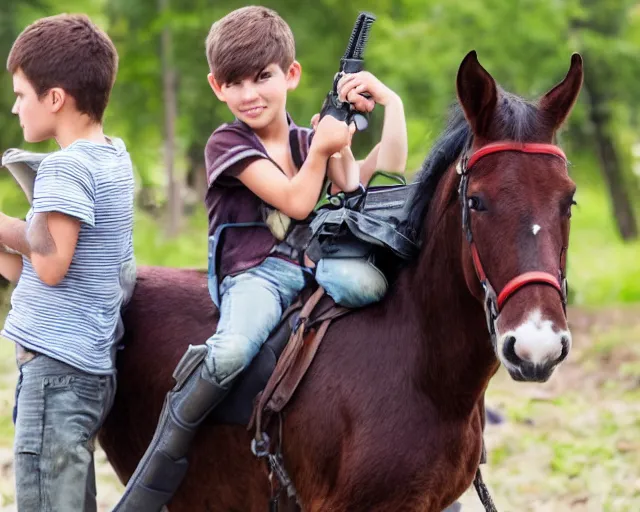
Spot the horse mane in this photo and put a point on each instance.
(515, 119)
(443, 154)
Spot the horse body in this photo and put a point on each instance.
(390, 415)
(362, 432)
(387, 421)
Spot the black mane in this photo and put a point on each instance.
(517, 119)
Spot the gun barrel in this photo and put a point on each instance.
(359, 36)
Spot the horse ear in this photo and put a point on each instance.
(477, 93)
(559, 101)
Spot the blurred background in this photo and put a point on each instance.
(570, 444)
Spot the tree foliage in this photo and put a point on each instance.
(415, 47)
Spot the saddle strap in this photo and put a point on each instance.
(289, 383)
(286, 358)
(330, 314)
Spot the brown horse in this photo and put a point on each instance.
(390, 415)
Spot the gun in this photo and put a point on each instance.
(351, 62)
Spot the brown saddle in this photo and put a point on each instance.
(315, 311)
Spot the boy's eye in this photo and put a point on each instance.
(265, 75)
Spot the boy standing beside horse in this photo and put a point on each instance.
(261, 167)
(72, 260)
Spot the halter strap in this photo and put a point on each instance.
(517, 282)
(524, 279)
(521, 147)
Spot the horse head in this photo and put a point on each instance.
(515, 196)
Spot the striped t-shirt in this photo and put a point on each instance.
(78, 320)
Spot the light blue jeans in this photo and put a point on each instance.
(351, 282)
(252, 303)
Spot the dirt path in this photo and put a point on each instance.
(572, 443)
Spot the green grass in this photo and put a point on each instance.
(601, 268)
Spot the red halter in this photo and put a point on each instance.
(494, 304)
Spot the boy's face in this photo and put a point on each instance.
(258, 100)
(36, 114)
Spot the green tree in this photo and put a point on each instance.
(607, 34)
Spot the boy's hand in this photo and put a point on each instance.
(314, 125)
(314, 121)
(331, 135)
(351, 87)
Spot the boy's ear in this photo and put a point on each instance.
(57, 98)
(217, 88)
(293, 75)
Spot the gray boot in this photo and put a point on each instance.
(164, 464)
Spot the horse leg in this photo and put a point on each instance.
(347, 504)
(355, 501)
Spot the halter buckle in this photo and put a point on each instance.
(461, 166)
(490, 308)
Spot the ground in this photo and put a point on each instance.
(570, 444)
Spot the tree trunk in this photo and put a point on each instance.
(174, 189)
(197, 174)
(600, 116)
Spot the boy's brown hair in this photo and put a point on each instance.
(70, 52)
(246, 41)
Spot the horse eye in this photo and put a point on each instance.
(568, 210)
(475, 203)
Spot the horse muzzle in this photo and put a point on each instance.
(533, 350)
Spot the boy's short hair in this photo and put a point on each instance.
(247, 40)
(70, 52)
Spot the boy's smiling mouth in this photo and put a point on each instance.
(253, 111)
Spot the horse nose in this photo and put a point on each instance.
(517, 350)
(565, 341)
(534, 357)
(509, 350)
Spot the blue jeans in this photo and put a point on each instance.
(351, 282)
(251, 304)
(59, 412)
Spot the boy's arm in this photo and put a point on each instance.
(296, 197)
(63, 197)
(49, 241)
(393, 149)
(369, 165)
(393, 152)
(343, 171)
(10, 266)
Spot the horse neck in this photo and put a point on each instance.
(455, 359)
